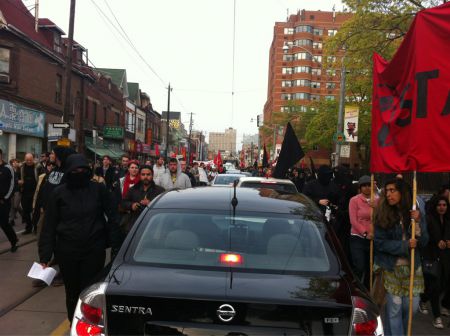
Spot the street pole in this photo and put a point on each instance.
(67, 102)
(169, 89)
(251, 153)
(275, 126)
(341, 112)
(189, 142)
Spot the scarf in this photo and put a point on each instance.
(128, 183)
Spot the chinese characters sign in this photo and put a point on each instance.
(21, 120)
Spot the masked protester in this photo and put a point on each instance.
(80, 223)
(322, 191)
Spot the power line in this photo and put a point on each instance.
(232, 75)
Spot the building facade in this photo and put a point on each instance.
(223, 141)
(297, 76)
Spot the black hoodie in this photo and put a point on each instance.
(75, 223)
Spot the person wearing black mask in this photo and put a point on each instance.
(322, 191)
(80, 223)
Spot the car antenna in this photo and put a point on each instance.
(234, 200)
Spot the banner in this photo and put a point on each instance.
(351, 123)
(411, 99)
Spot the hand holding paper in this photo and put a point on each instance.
(37, 271)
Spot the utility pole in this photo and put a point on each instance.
(189, 141)
(275, 128)
(67, 102)
(341, 112)
(169, 89)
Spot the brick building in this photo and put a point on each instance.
(32, 92)
(296, 73)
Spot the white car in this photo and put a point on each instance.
(225, 180)
(268, 183)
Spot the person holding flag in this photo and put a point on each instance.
(393, 244)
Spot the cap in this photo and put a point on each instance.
(364, 179)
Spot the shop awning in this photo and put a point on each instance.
(102, 151)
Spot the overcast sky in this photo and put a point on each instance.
(190, 45)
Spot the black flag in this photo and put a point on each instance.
(265, 160)
(291, 152)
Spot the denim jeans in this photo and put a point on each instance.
(397, 314)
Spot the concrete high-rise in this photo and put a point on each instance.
(225, 142)
(296, 73)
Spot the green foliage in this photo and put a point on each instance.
(322, 126)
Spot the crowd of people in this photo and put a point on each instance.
(79, 208)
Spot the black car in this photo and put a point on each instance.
(228, 261)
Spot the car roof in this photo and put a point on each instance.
(249, 199)
(230, 174)
(265, 179)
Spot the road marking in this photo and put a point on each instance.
(62, 329)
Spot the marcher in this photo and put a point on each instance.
(437, 252)
(159, 168)
(15, 197)
(6, 188)
(195, 172)
(42, 166)
(29, 173)
(360, 209)
(392, 244)
(185, 169)
(174, 178)
(124, 162)
(80, 222)
(202, 175)
(109, 174)
(139, 196)
(130, 179)
(298, 178)
(322, 191)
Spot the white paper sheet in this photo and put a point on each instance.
(45, 274)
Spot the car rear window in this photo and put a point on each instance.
(226, 180)
(263, 243)
(285, 187)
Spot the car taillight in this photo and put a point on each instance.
(231, 259)
(89, 319)
(365, 319)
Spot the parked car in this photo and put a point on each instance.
(225, 180)
(229, 261)
(269, 183)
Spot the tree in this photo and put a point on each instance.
(322, 126)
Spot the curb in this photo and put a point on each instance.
(23, 243)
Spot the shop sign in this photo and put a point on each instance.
(53, 134)
(113, 132)
(21, 120)
(146, 148)
(152, 152)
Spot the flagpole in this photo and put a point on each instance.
(413, 236)
(372, 231)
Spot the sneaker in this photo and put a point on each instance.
(445, 311)
(423, 308)
(14, 248)
(437, 323)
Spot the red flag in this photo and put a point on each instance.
(411, 99)
(218, 159)
(157, 153)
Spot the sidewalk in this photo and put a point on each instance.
(25, 310)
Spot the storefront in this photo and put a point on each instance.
(22, 130)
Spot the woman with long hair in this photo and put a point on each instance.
(435, 254)
(130, 179)
(393, 243)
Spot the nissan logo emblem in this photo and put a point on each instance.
(226, 313)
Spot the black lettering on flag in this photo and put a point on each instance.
(422, 91)
(446, 109)
(405, 104)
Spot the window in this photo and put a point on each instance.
(4, 64)
(303, 43)
(285, 109)
(303, 56)
(316, 71)
(288, 31)
(331, 59)
(286, 96)
(332, 32)
(315, 85)
(140, 125)
(266, 244)
(301, 95)
(331, 72)
(57, 42)
(302, 82)
(286, 84)
(303, 29)
(94, 112)
(331, 85)
(317, 58)
(58, 89)
(317, 45)
(330, 97)
(287, 71)
(315, 97)
(318, 31)
(288, 57)
(305, 69)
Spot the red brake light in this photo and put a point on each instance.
(366, 328)
(86, 329)
(231, 259)
(92, 314)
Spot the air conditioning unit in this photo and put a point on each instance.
(4, 78)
